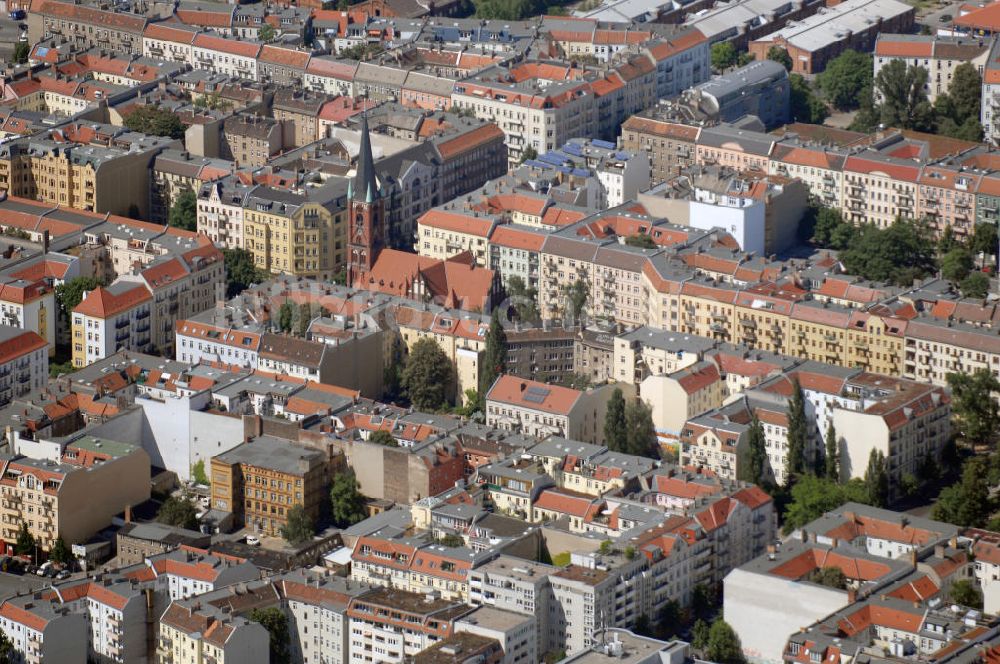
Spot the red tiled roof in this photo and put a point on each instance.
(551, 398)
(19, 346)
(102, 303)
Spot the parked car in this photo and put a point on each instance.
(18, 15)
(253, 540)
(63, 575)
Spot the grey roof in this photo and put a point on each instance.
(274, 454)
(837, 23)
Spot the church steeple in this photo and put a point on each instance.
(365, 183)
(366, 213)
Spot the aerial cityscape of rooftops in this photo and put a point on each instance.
(500, 332)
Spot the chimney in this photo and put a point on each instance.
(128, 514)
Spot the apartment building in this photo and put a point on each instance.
(517, 586)
(904, 420)
(669, 143)
(27, 295)
(188, 572)
(109, 319)
(540, 410)
(551, 102)
(117, 611)
(181, 286)
(389, 625)
(259, 481)
(88, 166)
(853, 24)
(221, 206)
(760, 89)
(175, 172)
(302, 233)
(170, 41)
(318, 606)
(193, 633)
(231, 57)
(43, 633)
(299, 112)
(74, 497)
(24, 358)
(939, 55)
(251, 140)
(87, 26)
(227, 338)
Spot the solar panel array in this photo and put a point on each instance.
(537, 394)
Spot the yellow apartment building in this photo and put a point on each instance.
(292, 233)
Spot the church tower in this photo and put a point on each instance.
(366, 220)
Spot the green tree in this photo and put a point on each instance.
(968, 130)
(178, 512)
(699, 634)
(812, 497)
(640, 432)
(868, 116)
(383, 437)
(198, 472)
(528, 153)
(957, 264)
(25, 543)
(965, 92)
(846, 81)
(494, 362)
(947, 241)
(299, 526)
(744, 58)
(451, 540)
(275, 622)
(347, 503)
(155, 121)
(70, 293)
(7, 652)
(723, 55)
(640, 240)
(973, 405)
(798, 432)
(780, 55)
(60, 553)
(984, 239)
(184, 212)
(831, 460)
(965, 593)
(967, 503)
(877, 479)
(576, 299)
(429, 375)
(976, 285)
(723, 644)
(828, 229)
(21, 51)
(904, 100)
(615, 435)
(285, 313)
(266, 33)
(241, 273)
(524, 299)
(805, 106)
(900, 253)
(302, 319)
(831, 577)
(753, 461)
